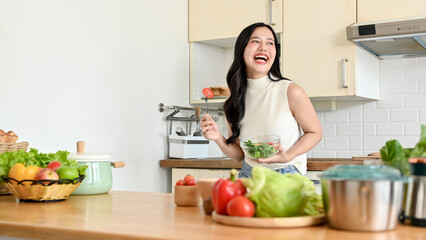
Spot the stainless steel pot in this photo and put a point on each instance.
(415, 210)
(362, 197)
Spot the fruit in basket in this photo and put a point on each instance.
(19, 172)
(47, 174)
(34, 158)
(67, 172)
(54, 165)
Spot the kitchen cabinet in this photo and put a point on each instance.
(221, 19)
(213, 29)
(317, 55)
(390, 9)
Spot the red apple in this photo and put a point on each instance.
(47, 174)
(54, 165)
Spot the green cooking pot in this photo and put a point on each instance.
(98, 178)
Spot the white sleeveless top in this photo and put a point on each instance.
(268, 113)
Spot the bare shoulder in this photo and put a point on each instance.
(295, 92)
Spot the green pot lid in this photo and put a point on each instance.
(362, 172)
(84, 157)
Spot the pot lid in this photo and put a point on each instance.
(81, 157)
(362, 172)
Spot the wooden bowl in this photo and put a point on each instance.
(205, 187)
(187, 196)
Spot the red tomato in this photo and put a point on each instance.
(180, 182)
(240, 206)
(54, 165)
(189, 180)
(208, 92)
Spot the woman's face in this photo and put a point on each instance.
(259, 54)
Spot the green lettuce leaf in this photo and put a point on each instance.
(278, 195)
(394, 155)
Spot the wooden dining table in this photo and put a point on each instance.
(148, 215)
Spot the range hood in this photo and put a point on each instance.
(392, 39)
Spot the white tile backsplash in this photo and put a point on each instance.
(415, 100)
(415, 72)
(423, 114)
(358, 128)
(349, 129)
(422, 85)
(405, 86)
(404, 115)
(376, 115)
(390, 129)
(390, 101)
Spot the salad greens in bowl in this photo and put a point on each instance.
(260, 146)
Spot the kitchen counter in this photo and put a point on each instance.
(139, 215)
(314, 164)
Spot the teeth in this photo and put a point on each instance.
(261, 57)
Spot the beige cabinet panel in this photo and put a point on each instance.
(379, 10)
(217, 19)
(317, 55)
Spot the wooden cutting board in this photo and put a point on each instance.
(285, 222)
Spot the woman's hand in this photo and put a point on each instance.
(280, 157)
(209, 128)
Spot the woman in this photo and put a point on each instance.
(263, 102)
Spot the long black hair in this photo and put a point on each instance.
(236, 79)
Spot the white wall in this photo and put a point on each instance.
(360, 128)
(95, 70)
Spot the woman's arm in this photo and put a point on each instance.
(305, 115)
(211, 131)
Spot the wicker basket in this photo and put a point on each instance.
(13, 147)
(42, 191)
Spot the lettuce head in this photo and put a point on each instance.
(278, 195)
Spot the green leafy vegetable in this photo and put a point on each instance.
(278, 195)
(259, 150)
(394, 155)
(34, 158)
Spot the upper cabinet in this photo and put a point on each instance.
(379, 10)
(214, 26)
(317, 55)
(219, 19)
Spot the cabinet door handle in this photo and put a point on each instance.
(271, 19)
(343, 72)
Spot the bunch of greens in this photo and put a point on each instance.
(34, 158)
(394, 155)
(278, 195)
(259, 150)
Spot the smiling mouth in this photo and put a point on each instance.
(261, 58)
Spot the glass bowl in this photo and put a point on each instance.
(260, 146)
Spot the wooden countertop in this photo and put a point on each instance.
(314, 164)
(139, 215)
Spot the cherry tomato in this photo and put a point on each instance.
(54, 165)
(180, 182)
(240, 206)
(189, 180)
(208, 92)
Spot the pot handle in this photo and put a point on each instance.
(118, 164)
